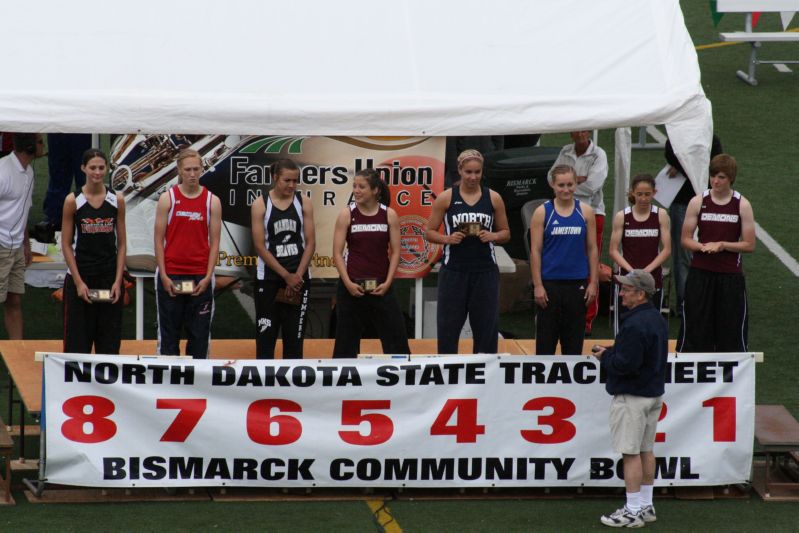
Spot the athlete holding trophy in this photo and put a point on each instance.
(371, 232)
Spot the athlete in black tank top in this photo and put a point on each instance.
(94, 218)
(284, 238)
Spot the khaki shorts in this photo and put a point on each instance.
(633, 423)
(12, 272)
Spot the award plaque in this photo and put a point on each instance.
(283, 297)
(368, 285)
(100, 295)
(184, 287)
(470, 228)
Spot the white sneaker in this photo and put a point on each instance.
(623, 517)
(648, 514)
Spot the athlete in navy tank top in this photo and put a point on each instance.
(470, 255)
(474, 221)
(715, 309)
(564, 263)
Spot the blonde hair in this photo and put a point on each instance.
(184, 154)
(563, 169)
(466, 155)
(187, 153)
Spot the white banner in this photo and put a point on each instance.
(450, 421)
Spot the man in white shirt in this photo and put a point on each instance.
(16, 191)
(591, 165)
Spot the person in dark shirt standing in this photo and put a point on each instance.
(636, 375)
(681, 257)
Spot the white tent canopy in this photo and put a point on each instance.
(355, 67)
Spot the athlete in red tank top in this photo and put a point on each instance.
(186, 245)
(188, 222)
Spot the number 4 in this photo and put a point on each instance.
(466, 428)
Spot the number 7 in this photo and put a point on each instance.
(190, 412)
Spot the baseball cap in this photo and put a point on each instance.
(638, 279)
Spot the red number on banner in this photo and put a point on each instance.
(723, 418)
(260, 420)
(380, 426)
(466, 428)
(562, 429)
(102, 428)
(190, 412)
(660, 436)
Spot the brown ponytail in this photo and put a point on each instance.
(373, 179)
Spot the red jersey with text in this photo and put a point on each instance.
(719, 223)
(367, 245)
(96, 235)
(186, 245)
(640, 242)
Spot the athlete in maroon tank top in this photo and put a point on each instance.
(715, 308)
(641, 236)
(370, 230)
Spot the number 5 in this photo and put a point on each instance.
(381, 428)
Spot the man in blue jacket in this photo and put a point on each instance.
(636, 374)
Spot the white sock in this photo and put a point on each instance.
(646, 495)
(634, 501)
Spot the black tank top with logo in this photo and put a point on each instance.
(96, 235)
(284, 236)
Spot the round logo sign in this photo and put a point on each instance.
(417, 255)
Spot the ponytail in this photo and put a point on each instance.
(277, 168)
(372, 177)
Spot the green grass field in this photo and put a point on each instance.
(758, 125)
